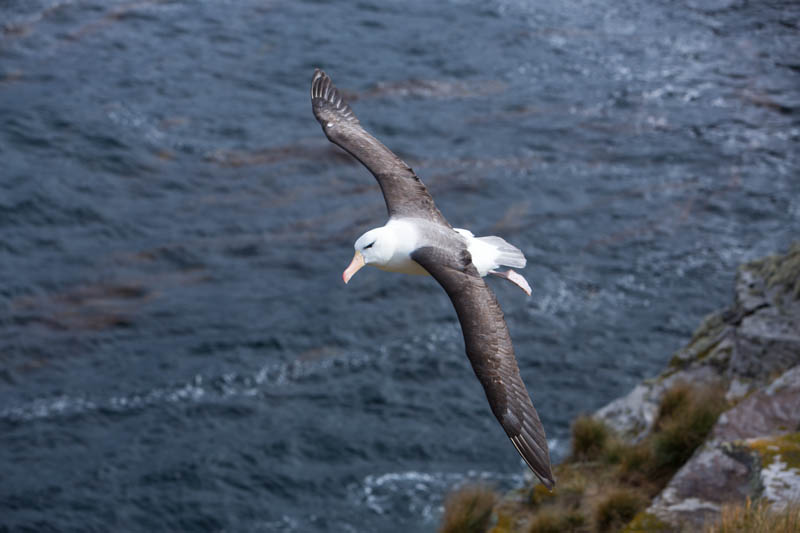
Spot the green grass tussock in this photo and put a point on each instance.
(617, 509)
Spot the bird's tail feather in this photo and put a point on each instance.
(507, 254)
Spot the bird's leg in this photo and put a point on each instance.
(514, 278)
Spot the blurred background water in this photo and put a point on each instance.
(177, 349)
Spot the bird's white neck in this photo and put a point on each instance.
(390, 246)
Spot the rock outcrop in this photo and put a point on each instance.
(753, 350)
(719, 427)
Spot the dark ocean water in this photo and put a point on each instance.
(177, 349)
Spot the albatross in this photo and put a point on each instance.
(417, 239)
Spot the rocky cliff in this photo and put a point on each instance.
(752, 349)
(719, 427)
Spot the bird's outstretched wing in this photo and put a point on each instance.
(491, 353)
(403, 191)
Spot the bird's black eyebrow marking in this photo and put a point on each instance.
(369, 245)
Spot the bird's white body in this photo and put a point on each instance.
(390, 247)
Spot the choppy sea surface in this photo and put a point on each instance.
(177, 349)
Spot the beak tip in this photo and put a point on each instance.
(355, 266)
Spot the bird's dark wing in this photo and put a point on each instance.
(491, 353)
(403, 191)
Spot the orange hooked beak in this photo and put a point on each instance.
(355, 266)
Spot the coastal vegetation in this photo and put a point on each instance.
(469, 510)
(756, 517)
(605, 482)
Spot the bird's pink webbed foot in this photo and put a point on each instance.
(514, 278)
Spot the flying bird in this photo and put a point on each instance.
(417, 239)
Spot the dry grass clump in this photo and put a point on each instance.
(468, 510)
(685, 418)
(756, 517)
(589, 438)
(562, 509)
(557, 521)
(635, 464)
(617, 509)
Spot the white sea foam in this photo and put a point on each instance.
(227, 385)
(196, 389)
(420, 492)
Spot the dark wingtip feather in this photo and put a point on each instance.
(539, 465)
(327, 102)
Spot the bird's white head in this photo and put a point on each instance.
(376, 247)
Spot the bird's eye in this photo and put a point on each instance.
(369, 245)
